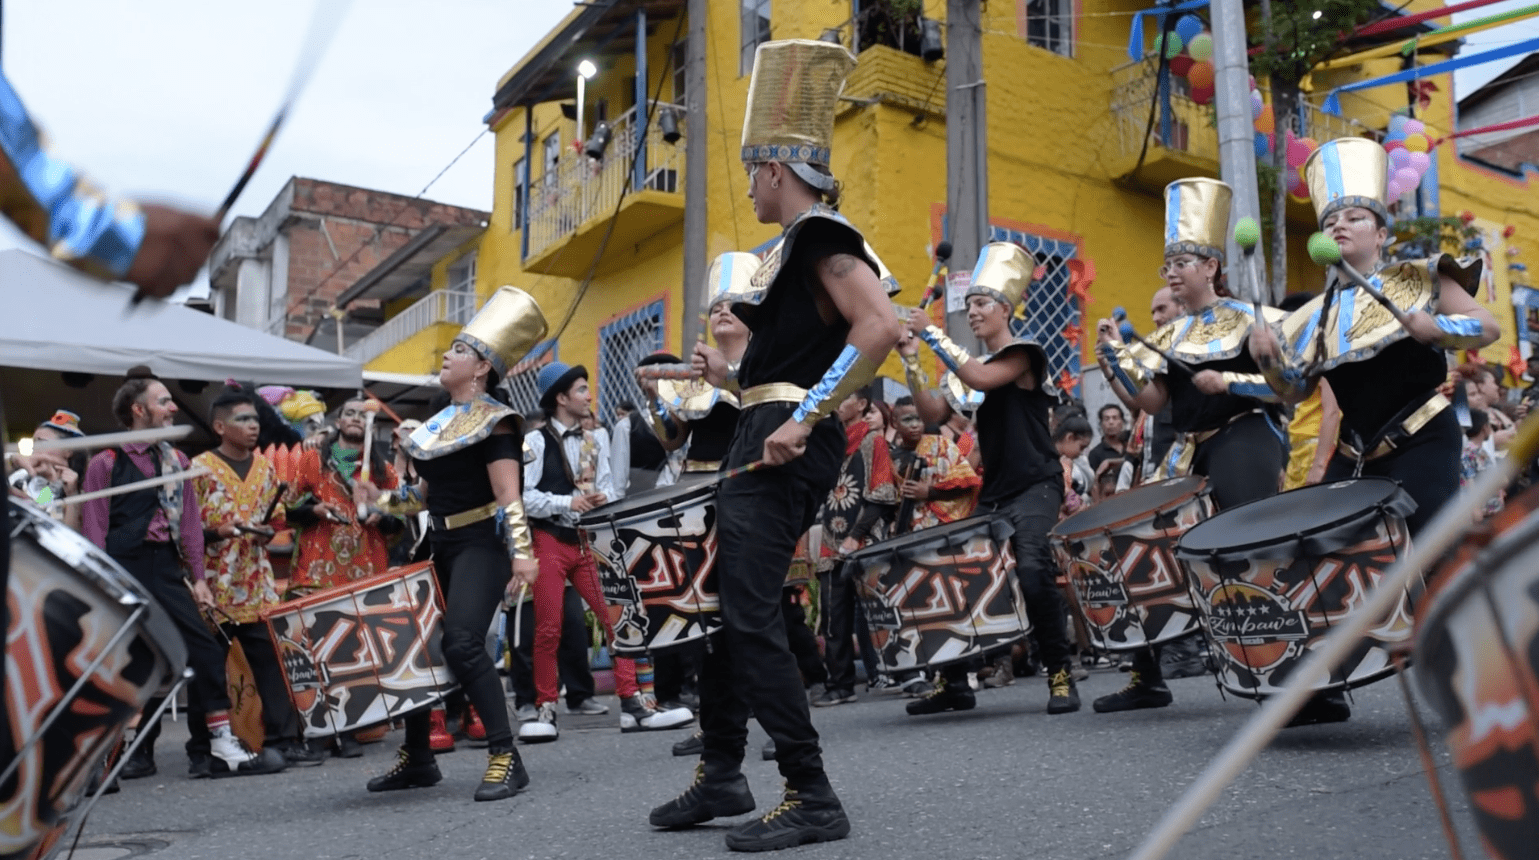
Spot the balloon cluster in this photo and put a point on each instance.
(1410, 155)
(1189, 48)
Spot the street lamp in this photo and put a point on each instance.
(585, 70)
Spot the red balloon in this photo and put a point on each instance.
(1180, 65)
(1202, 95)
(1201, 76)
(1392, 145)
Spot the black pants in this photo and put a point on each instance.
(837, 589)
(571, 653)
(673, 668)
(1426, 465)
(748, 665)
(157, 567)
(1243, 461)
(1033, 513)
(474, 574)
(280, 722)
(800, 638)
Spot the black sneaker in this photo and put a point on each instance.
(139, 765)
(300, 755)
(805, 815)
(706, 798)
(413, 769)
(833, 697)
(1322, 708)
(1063, 696)
(348, 747)
(1136, 695)
(945, 697)
(200, 766)
(505, 776)
(692, 745)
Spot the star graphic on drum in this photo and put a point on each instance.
(1253, 625)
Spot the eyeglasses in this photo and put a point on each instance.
(1180, 264)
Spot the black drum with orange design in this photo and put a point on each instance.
(1272, 577)
(1477, 651)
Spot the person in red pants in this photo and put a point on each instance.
(566, 474)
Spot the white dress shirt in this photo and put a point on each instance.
(540, 505)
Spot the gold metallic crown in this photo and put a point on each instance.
(1197, 217)
(1348, 171)
(729, 277)
(1003, 273)
(792, 99)
(506, 328)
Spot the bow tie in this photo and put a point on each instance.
(574, 433)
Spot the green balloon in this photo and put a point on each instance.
(1201, 47)
(1171, 45)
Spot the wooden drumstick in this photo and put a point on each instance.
(173, 477)
(371, 408)
(1452, 522)
(102, 440)
(667, 371)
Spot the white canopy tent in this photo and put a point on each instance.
(66, 339)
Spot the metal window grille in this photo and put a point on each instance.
(1050, 25)
(522, 383)
(622, 344)
(1052, 313)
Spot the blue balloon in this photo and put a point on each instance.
(1261, 145)
(1397, 124)
(1187, 27)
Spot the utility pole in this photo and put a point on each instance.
(695, 144)
(967, 146)
(1236, 139)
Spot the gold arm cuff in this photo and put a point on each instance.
(656, 421)
(730, 383)
(772, 392)
(948, 348)
(852, 371)
(403, 502)
(1459, 331)
(515, 531)
(917, 379)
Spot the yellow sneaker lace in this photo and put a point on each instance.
(1135, 680)
(789, 802)
(497, 767)
(402, 759)
(1058, 685)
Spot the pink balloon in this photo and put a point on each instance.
(1407, 178)
(1399, 158)
(1420, 162)
(1415, 126)
(1394, 143)
(1292, 180)
(1298, 153)
(1393, 190)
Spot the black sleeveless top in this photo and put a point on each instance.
(711, 436)
(1191, 411)
(1014, 443)
(1374, 392)
(458, 482)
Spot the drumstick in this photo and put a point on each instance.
(518, 616)
(1126, 330)
(103, 440)
(316, 39)
(743, 470)
(371, 408)
(1247, 234)
(195, 472)
(1454, 519)
(272, 507)
(1324, 251)
(667, 371)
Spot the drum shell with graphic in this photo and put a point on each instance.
(1477, 662)
(364, 652)
(1272, 576)
(656, 554)
(1119, 559)
(67, 600)
(941, 594)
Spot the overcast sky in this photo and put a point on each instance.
(168, 97)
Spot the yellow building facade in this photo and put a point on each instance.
(600, 246)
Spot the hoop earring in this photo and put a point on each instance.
(774, 183)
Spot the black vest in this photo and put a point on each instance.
(555, 479)
(129, 514)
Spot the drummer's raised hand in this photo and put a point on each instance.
(788, 442)
(918, 321)
(710, 364)
(526, 571)
(1106, 332)
(1209, 382)
(1263, 346)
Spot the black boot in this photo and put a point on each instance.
(1322, 708)
(691, 746)
(139, 765)
(949, 695)
(413, 769)
(715, 793)
(810, 812)
(1063, 696)
(1146, 688)
(505, 776)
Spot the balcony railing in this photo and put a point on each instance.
(581, 188)
(1181, 125)
(440, 306)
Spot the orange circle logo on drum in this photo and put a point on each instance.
(1254, 625)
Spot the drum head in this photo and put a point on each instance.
(649, 500)
(999, 528)
(1322, 518)
(1131, 505)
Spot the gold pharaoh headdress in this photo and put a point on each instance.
(1348, 171)
(1197, 217)
(792, 99)
(1003, 273)
(729, 277)
(506, 328)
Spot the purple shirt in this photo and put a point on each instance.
(94, 514)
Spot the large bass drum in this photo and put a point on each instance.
(86, 648)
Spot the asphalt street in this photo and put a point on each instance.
(1002, 781)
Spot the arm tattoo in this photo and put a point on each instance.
(839, 265)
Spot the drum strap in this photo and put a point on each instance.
(1398, 431)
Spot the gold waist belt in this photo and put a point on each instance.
(704, 465)
(1407, 428)
(465, 518)
(773, 392)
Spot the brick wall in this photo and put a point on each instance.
(1512, 152)
(338, 233)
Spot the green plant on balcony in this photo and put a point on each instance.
(1417, 238)
(893, 23)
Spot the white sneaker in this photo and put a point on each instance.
(589, 707)
(636, 715)
(526, 713)
(543, 728)
(231, 750)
